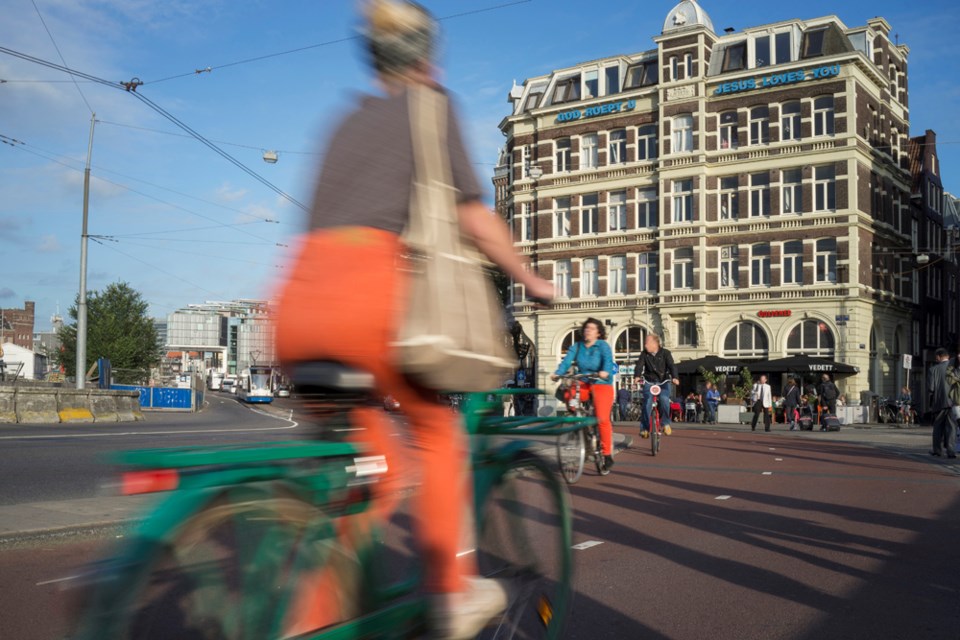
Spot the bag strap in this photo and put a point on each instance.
(433, 205)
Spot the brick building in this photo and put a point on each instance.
(16, 325)
(746, 195)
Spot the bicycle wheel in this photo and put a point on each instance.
(571, 452)
(524, 540)
(655, 434)
(249, 564)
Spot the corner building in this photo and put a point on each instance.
(730, 192)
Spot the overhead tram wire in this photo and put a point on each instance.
(210, 69)
(54, 155)
(230, 144)
(100, 241)
(55, 46)
(263, 241)
(131, 87)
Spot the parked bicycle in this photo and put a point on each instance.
(266, 540)
(654, 426)
(573, 446)
(890, 411)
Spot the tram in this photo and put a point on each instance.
(257, 386)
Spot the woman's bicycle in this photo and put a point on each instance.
(273, 540)
(573, 446)
(653, 420)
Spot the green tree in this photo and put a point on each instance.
(118, 329)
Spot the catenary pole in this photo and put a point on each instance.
(82, 299)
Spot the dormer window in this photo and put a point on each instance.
(567, 90)
(643, 74)
(613, 79)
(533, 100)
(591, 84)
(735, 57)
(812, 45)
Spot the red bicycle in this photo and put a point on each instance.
(653, 420)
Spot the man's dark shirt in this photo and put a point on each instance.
(656, 367)
(791, 396)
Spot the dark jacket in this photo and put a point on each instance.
(791, 396)
(656, 368)
(938, 386)
(828, 391)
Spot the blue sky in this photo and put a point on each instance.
(187, 226)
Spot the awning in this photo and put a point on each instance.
(802, 364)
(716, 364)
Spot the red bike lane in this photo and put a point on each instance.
(755, 535)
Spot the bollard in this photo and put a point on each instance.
(37, 405)
(74, 406)
(104, 406)
(8, 404)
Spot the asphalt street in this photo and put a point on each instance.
(727, 534)
(61, 462)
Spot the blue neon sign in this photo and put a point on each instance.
(777, 79)
(597, 110)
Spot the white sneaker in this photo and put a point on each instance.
(461, 616)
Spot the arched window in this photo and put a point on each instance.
(812, 338)
(746, 340)
(630, 342)
(568, 340)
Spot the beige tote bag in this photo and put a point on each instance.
(452, 337)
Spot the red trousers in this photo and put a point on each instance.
(342, 302)
(603, 403)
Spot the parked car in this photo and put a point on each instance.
(229, 384)
(391, 404)
(283, 391)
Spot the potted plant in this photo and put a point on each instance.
(742, 393)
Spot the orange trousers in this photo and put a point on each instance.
(342, 302)
(603, 404)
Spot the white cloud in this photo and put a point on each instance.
(49, 244)
(226, 193)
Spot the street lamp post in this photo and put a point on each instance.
(82, 298)
(535, 174)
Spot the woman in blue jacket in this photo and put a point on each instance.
(592, 354)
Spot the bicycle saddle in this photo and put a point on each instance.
(330, 375)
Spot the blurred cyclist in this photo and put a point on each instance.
(654, 366)
(345, 295)
(592, 354)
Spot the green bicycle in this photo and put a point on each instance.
(252, 538)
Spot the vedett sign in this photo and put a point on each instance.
(778, 313)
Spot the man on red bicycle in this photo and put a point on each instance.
(592, 354)
(654, 366)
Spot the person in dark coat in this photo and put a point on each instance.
(827, 396)
(791, 403)
(944, 424)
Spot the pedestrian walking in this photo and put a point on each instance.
(712, 397)
(944, 423)
(762, 399)
(827, 395)
(791, 403)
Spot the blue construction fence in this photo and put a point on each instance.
(165, 397)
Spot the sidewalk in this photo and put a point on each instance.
(62, 518)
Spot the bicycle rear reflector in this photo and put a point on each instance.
(545, 611)
(136, 482)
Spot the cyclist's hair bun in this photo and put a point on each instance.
(398, 34)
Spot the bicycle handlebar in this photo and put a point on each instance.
(581, 376)
(659, 384)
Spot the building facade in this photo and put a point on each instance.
(746, 195)
(16, 325)
(223, 336)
